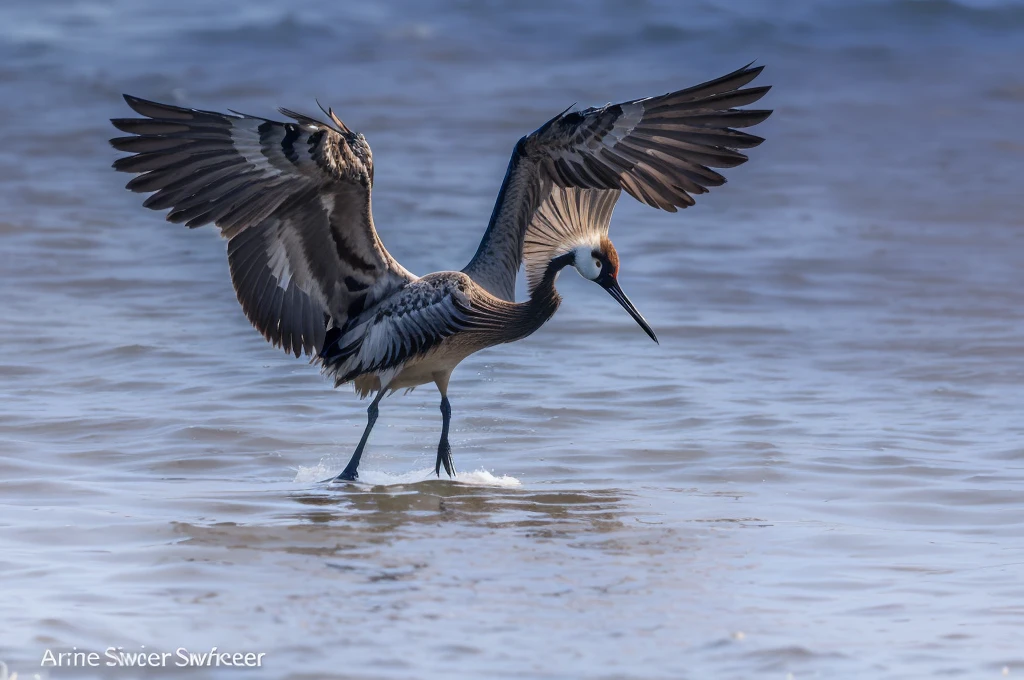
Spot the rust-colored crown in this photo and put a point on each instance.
(613, 256)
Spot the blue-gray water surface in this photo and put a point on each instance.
(818, 473)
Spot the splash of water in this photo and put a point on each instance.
(326, 470)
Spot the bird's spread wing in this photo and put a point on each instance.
(660, 150)
(292, 198)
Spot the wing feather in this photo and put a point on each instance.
(660, 150)
(408, 324)
(293, 200)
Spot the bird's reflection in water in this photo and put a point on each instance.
(390, 508)
(353, 520)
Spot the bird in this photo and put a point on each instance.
(293, 201)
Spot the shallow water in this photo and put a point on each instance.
(818, 472)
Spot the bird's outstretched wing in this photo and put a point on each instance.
(292, 198)
(660, 150)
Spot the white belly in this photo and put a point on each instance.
(433, 367)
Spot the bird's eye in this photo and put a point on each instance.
(597, 263)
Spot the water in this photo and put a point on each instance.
(818, 472)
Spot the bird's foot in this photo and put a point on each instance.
(444, 457)
(346, 476)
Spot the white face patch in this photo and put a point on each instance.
(586, 264)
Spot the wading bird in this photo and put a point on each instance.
(293, 200)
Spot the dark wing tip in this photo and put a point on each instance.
(152, 109)
(124, 124)
(747, 72)
(543, 128)
(136, 102)
(339, 126)
(751, 117)
(302, 118)
(753, 141)
(746, 69)
(755, 93)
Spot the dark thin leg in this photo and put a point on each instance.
(350, 474)
(444, 449)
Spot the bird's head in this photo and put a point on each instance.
(600, 264)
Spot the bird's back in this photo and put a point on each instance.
(427, 326)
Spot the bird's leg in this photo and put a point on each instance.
(350, 474)
(444, 449)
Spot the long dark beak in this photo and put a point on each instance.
(612, 286)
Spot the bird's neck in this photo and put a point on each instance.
(545, 291)
(544, 299)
